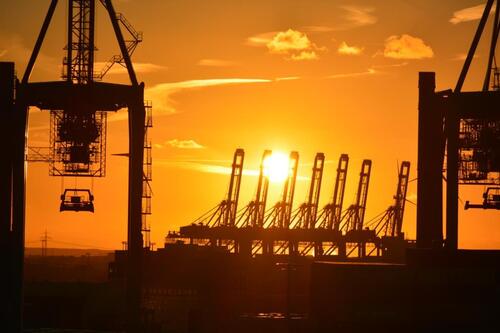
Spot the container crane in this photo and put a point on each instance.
(355, 215)
(224, 214)
(254, 213)
(78, 106)
(467, 125)
(231, 204)
(280, 215)
(391, 222)
(331, 215)
(305, 216)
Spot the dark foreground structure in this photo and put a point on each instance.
(224, 286)
(434, 291)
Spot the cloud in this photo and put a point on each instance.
(294, 45)
(401, 64)
(216, 63)
(369, 71)
(212, 167)
(468, 14)
(349, 50)
(287, 78)
(161, 94)
(357, 16)
(406, 47)
(260, 40)
(462, 57)
(304, 55)
(204, 166)
(184, 144)
(12, 48)
(139, 67)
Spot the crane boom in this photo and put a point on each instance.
(400, 198)
(231, 204)
(334, 214)
(315, 190)
(259, 204)
(356, 212)
(362, 195)
(288, 192)
(390, 224)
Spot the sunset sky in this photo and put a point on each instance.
(308, 75)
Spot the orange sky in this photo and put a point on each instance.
(312, 76)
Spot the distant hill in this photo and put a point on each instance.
(37, 251)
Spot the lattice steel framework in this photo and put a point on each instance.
(479, 139)
(77, 144)
(78, 65)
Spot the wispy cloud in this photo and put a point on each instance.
(161, 94)
(294, 45)
(212, 167)
(368, 72)
(350, 17)
(468, 14)
(346, 49)
(287, 78)
(260, 40)
(463, 56)
(357, 16)
(183, 144)
(216, 63)
(406, 47)
(401, 64)
(13, 48)
(139, 67)
(203, 166)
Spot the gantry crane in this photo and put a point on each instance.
(355, 214)
(306, 214)
(231, 203)
(331, 215)
(224, 214)
(78, 105)
(254, 213)
(390, 224)
(280, 214)
(467, 126)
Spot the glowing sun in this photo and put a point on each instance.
(276, 167)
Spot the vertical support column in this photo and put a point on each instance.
(136, 118)
(342, 249)
(318, 249)
(91, 47)
(430, 190)
(19, 124)
(267, 247)
(69, 51)
(6, 113)
(452, 129)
